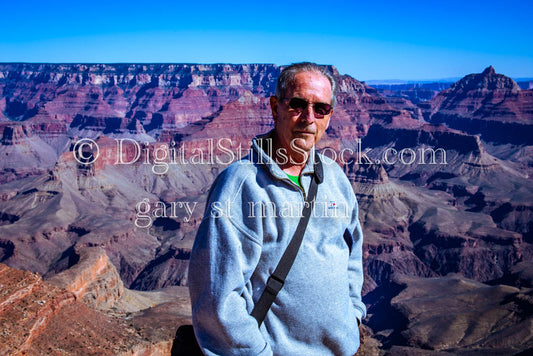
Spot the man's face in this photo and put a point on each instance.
(301, 128)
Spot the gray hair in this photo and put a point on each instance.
(286, 78)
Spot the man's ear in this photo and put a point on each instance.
(329, 119)
(274, 107)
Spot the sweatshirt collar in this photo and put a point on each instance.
(262, 154)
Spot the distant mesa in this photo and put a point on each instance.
(489, 104)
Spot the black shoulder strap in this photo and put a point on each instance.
(277, 278)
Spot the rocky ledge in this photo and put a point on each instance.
(37, 317)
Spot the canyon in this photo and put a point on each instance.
(443, 183)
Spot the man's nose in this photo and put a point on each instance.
(308, 115)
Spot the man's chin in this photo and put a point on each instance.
(302, 147)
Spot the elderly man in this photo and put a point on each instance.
(253, 211)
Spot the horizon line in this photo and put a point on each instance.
(394, 81)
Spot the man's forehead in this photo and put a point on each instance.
(310, 76)
(309, 80)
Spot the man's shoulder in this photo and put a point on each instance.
(331, 166)
(235, 174)
(239, 169)
(334, 175)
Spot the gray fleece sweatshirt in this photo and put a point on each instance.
(251, 215)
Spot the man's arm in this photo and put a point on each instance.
(355, 264)
(222, 261)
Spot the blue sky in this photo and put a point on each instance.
(366, 39)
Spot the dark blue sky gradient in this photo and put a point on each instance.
(368, 40)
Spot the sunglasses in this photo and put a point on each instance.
(299, 105)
